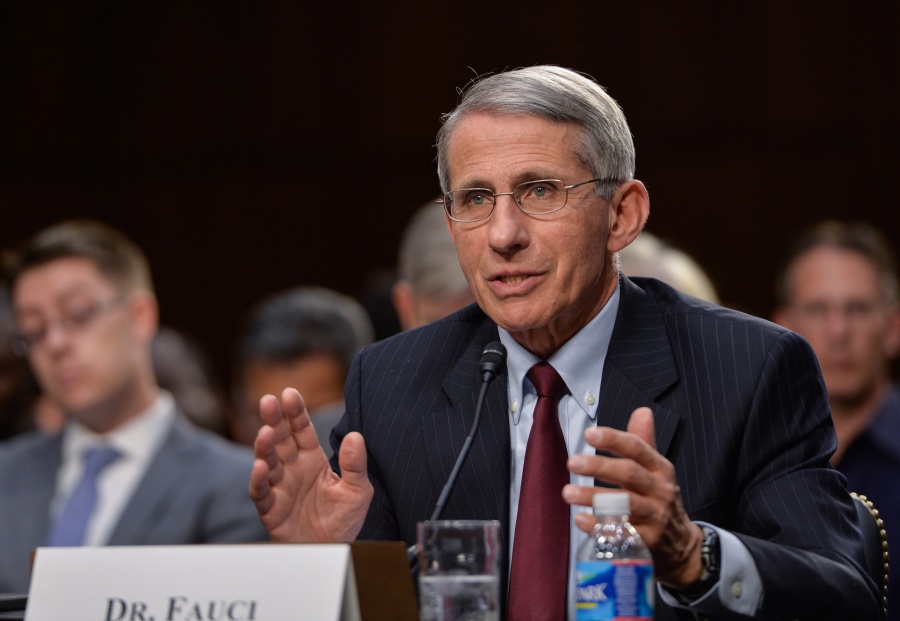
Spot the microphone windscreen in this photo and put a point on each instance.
(493, 358)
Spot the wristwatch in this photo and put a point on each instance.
(711, 559)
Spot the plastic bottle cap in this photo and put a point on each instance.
(612, 503)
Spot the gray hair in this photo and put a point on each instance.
(651, 257)
(558, 95)
(428, 260)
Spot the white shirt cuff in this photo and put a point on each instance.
(739, 589)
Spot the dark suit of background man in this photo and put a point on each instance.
(85, 316)
(717, 418)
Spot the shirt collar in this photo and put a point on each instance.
(137, 438)
(579, 361)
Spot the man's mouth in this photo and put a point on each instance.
(511, 280)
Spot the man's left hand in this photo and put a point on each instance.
(656, 509)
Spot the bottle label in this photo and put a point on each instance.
(620, 590)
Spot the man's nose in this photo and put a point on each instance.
(508, 226)
(837, 322)
(56, 334)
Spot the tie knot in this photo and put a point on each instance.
(98, 458)
(547, 381)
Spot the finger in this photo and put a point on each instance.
(641, 425)
(579, 495)
(298, 419)
(264, 446)
(270, 411)
(626, 473)
(261, 474)
(585, 521)
(265, 450)
(272, 414)
(260, 491)
(352, 459)
(624, 444)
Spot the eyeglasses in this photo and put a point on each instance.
(532, 197)
(854, 312)
(73, 319)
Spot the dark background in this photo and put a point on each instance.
(249, 147)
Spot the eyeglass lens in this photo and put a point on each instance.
(535, 197)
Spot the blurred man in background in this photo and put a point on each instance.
(650, 257)
(181, 368)
(128, 468)
(305, 337)
(432, 284)
(838, 289)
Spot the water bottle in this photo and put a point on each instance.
(614, 568)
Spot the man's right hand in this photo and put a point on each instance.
(299, 497)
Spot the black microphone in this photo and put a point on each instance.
(493, 359)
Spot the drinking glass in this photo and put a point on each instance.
(459, 570)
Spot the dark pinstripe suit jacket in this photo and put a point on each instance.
(740, 410)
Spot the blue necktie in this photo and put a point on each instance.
(70, 528)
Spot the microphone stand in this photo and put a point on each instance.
(493, 356)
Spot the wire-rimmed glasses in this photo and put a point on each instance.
(537, 197)
(76, 318)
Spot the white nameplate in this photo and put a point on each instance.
(264, 582)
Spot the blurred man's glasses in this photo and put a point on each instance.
(532, 197)
(854, 312)
(73, 319)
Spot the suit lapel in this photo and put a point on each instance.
(154, 490)
(640, 365)
(444, 432)
(34, 499)
(478, 493)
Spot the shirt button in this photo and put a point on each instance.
(737, 590)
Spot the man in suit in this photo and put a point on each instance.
(85, 316)
(716, 423)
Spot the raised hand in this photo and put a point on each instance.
(300, 499)
(656, 509)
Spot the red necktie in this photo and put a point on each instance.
(540, 564)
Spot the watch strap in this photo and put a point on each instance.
(711, 559)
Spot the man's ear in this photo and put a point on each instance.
(449, 223)
(628, 213)
(144, 310)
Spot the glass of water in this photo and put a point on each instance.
(459, 570)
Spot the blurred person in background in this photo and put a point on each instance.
(127, 468)
(838, 289)
(17, 387)
(181, 369)
(306, 338)
(431, 284)
(650, 257)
